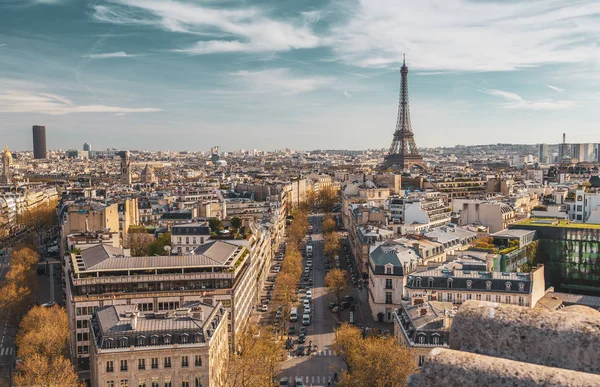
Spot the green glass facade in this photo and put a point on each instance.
(571, 256)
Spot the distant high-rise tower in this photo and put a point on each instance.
(6, 161)
(544, 156)
(403, 153)
(125, 168)
(39, 142)
(87, 147)
(564, 150)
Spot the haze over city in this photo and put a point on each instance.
(186, 75)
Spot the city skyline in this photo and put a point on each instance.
(302, 75)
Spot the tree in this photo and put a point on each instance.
(236, 222)
(38, 370)
(43, 346)
(329, 225)
(337, 283)
(17, 292)
(139, 244)
(158, 246)
(254, 361)
(369, 363)
(328, 197)
(39, 219)
(348, 338)
(215, 225)
(332, 244)
(45, 331)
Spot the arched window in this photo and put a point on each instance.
(488, 285)
(469, 284)
(167, 339)
(141, 340)
(198, 381)
(430, 282)
(123, 342)
(183, 338)
(436, 339)
(421, 338)
(110, 343)
(521, 287)
(418, 282)
(154, 340)
(508, 285)
(450, 283)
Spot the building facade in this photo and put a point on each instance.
(186, 347)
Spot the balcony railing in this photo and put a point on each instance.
(152, 278)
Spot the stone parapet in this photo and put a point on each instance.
(445, 367)
(568, 338)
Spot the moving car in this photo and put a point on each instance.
(301, 338)
(284, 382)
(299, 382)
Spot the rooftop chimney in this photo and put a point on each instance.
(134, 322)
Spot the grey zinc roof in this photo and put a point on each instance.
(215, 253)
(392, 254)
(98, 254)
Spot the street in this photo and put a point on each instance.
(318, 368)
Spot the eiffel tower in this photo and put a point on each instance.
(403, 153)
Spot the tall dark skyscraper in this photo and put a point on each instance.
(39, 142)
(87, 147)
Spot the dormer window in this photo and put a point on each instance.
(469, 284)
(450, 283)
(123, 342)
(521, 287)
(198, 338)
(141, 340)
(154, 340)
(436, 340)
(488, 285)
(418, 282)
(167, 339)
(508, 285)
(389, 270)
(430, 282)
(183, 338)
(110, 343)
(421, 339)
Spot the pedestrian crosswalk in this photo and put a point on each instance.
(325, 352)
(311, 380)
(7, 351)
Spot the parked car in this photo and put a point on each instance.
(301, 338)
(332, 305)
(309, 294)
(344, 305)
(283, 382)
(335, 309)
(264, 308)
(349, 298)
(292, 330)
(303, 330)
(299, 382)
(299, 352)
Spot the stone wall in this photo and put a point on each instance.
(504, 345)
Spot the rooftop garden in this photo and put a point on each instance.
(552, 222)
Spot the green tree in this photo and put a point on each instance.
(158, 246)
(215, 225)
(236, 222)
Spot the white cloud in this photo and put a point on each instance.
(515, 101)
(279, 81)
(17, 101)
(555, 88)
(468, 35)
(246, 29)
(347, 94)
(3, 44)
(108, 55)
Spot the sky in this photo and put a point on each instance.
(299, 74)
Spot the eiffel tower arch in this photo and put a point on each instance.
(403, 153)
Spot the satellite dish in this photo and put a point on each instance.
(167, 248)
